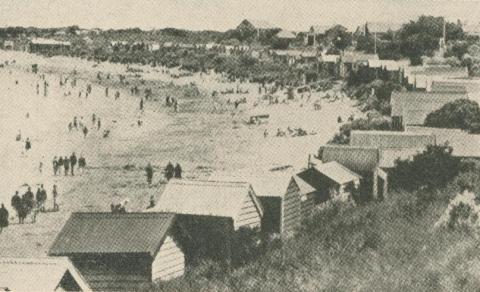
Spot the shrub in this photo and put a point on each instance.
(461, 114)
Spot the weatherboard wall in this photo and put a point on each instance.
(291, 213)
(169, 262)
(249, 215)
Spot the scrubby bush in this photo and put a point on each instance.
(460, 114)
(343, 136)
(434, 168)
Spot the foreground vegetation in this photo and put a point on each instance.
(392, 245)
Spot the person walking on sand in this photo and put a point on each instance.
(149, 173)
(17, 205)
(55, 165)
(55, 196)
(66, 165)
(169, 171)
(178, 171)
(85, 132)
(28, 145)
(82, 163)
(73, 162)
(43, 198)
(3, 218)
(99, 124)
(141, 104)
(38, 199)
(106, 91)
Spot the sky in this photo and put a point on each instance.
(222, 15)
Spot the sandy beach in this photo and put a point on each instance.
(207, 134)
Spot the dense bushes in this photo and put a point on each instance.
(460, 114)
(434, 168)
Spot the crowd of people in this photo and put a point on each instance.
(68, 164)
(29, 204)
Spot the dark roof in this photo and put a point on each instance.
(448, 87)
(106, 233)
(312, 178)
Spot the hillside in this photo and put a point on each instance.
(386, 246)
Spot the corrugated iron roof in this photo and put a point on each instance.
(354, 57)
(447, 72)
(420, 104)
(448, 87)
(42, 41)
(337, 172)
(102, 233)
(39, 274)
(391, 139)
(355, 158)
(208, 198)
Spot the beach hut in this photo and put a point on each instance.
(234, 200)
(365, 161)
(411, 108)
(280, 207)
(391, 139)
(121, 251)
(40, 274)
(41, 45)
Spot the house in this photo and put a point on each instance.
(464, 145)
(40, 274)
(421, 78)
(41, 45)
(364, 161)
(257, 25)
(281, 208)
(353, 60)
(286, 35)
(411, 108)
(234, 200)
(121, 251)
(315, 33)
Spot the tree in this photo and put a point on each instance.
(339, 37)
(421, 37)
(460, 114)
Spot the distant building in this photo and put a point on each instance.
(380, 28)
(315, 33)
(259, 26)
(351, 61)
(448, 87)
(121, 251)
(421, 78)
(411, 108)
(40, 45)
(40, 274)
(364, 161)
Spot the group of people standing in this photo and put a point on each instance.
(169, 172)
(68, 164)
(29, 203)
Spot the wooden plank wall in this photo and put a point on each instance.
(249, 215)
(169, 262)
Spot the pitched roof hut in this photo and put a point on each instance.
(40, 274)
(235, 200)
(121, 251)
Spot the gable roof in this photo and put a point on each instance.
(204, 197)
(308, 181)
(448, 87)
(107, 233)
(463, 143)
(285, 34)
(414, 106)
(319, 29)
(42, 41)
(447, 72)
(354, 57)
(263, 184)
(355, 158)
(391, 139)
(337, 172)
(41, 274)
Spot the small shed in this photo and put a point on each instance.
(279, 206)
(391, 139)
(40, 274)
(235, 200)
(337, 181)
(361, 160)
(121, 251)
